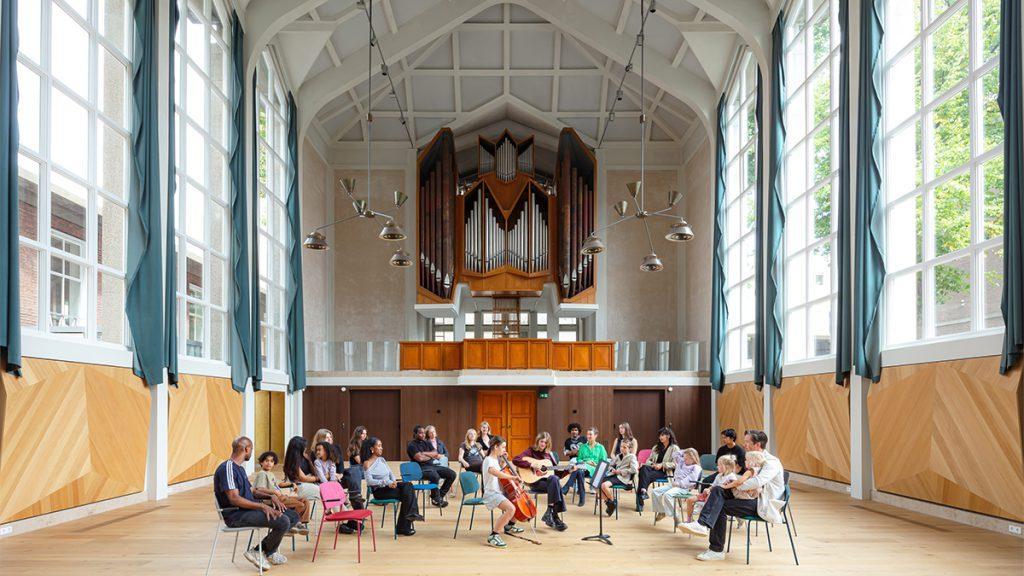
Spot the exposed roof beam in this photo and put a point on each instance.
(748, 18)
(623, 16)
(389, 16)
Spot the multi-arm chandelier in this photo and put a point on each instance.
(680, 230)
(390, 231)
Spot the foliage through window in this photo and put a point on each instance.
(943, 169)
(202, 117)
(810, 170)
(74, 114)
(740, 212)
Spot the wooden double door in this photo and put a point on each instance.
(512, 415)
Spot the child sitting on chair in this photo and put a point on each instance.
(726, 474)
(754, 462)
(266, 480)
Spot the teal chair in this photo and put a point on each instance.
(755, 519)
(412, 473)
(356, 479)
(616, 486)
(708, 463)
(469, 484)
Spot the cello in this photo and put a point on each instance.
(526, 508)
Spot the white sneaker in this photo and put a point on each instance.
(258, 560)
(709, 555)
(695, 528)
(277, 558)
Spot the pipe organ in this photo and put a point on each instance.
(505, 230)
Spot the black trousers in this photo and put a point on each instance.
(441, 475)
(476, 466)
(719, 505)
(648, 475)
(405, 494)
(577, 478)
(556, 500)
(258, 519)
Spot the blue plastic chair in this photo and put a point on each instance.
(469, 484)
(412, 473)
(753, 519)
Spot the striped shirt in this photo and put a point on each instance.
(231, 476)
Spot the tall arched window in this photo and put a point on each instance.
(943, 169)
(74, 112)
(272, 190)
(812, 84)
(740, 212)
(202, 115)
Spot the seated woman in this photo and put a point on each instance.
(355, 445)
(541, 451)
(471, 454)
(298, 469)
(484, 437)
(684, 479)
(623, 469)
(383, 484)
(588, 454)
(659, 464)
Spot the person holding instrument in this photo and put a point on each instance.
(539, 459)
(494, 497)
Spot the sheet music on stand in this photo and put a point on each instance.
(600, 470)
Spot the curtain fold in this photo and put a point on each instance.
(869, 246)
(170, 254)
(719, 306)
(844, 313)
(759, 236)
(144, 296)
(775, 222)
(296, 325)
(242, 358)
(256, 340)
(1011, 100)
(10, 296)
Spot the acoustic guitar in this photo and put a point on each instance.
(547, 469)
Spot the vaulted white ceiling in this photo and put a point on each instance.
(479, 66)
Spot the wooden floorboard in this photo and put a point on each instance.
(837, 536)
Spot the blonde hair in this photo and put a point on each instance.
(543, 436)
(629, 444)
(321, 436)
(728, 461)
(693, 454)
(755, 459)
(430, 428)
(468, 431)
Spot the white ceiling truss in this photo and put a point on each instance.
(479, 66)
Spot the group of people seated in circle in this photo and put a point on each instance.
(747, 481)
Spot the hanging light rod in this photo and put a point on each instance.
(629, 68)
(375, 42)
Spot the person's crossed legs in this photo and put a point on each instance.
(713, 520)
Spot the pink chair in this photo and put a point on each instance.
(333, 495)
(642, 456)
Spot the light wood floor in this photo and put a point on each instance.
(837, 535)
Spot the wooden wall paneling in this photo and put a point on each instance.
(410, 355)
(741, 406)
(433, 356)
(643, 409)
(581, 356)
(590, 406)
(497, 354)
(326, 407)
(604, 356)
(561, 356)
(451, 409)
(380, 411)
(204, 416)
(73, 434)
(812, 426)
(539, 354)
(950, 433)
(688, 413)
(474, 354)
(518, 354)
(452, 356)
(522, 416)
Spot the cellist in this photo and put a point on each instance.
(493, 495)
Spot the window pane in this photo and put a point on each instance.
(904, 160)
(903, 90)
(195, 213)
(796, 172)
(823, 153)
(218, 65)
(906, 247)
(953, 297)
(196, 36)
(796, 281)
(194, 342)
(796, 335)
(112, 80)
(821, 37)
(28, 260)
(110, 232)
(110, 309)
(110, 170)
(990, 14)
(218, 119)
(992, 124)
(217, 272)
(194, 272)
(950, 52)
(29, 30)
(28, 108)
(822, 96)
(67, 296)
(993, 174)
(113, 19)
(904, 315)
(218, 171)
(217, 322)
(821, 207)
(195, 155)
(28, 199)
(953, 215)
(796, 226)
(951, 124)
(820, 317)
(820, 270)
(993, 287)
(195, 96)
(69, 52)
(68, 209)
(69, 134)
(217, 217)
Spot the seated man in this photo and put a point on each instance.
(242, 507)
(422, 451)
(769, 481)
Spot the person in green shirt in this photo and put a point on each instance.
(590, 452)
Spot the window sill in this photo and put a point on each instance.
(272, 377)
(988, 343)
(36, 344)
(810, 367)
(203, 367)
(739, 376)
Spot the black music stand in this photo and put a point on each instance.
(599, 472)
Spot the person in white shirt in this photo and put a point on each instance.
(769, 479)
(494, 497)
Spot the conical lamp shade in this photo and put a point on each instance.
(392, 232)
(620, 208)
(400, 259)
(316, 241)
(634, 188)
(651, 263)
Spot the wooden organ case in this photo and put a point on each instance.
(505, 230)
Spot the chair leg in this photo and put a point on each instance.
(728, 546)
(394, 515)
(234, 549)
(317, 545)
(262, 556)
(748, 542)
(359, 545)
(472, 514)
(768, 532)
(458, 517)
(373, 533)
(213, 551)
(616, 494)
(789, 511)
(791, 545)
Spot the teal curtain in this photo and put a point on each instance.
(242, 359)
(719, 306)
(255, 341)
(759, 237)
(145, 291)
(869, 247)
(775, 222)
(1011, 100)
(10, 297)
(170, 254)
(844, 312)
(296, 326)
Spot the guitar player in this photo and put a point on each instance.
(536, 459)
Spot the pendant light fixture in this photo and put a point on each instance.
(390, 231)
(679, 230)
